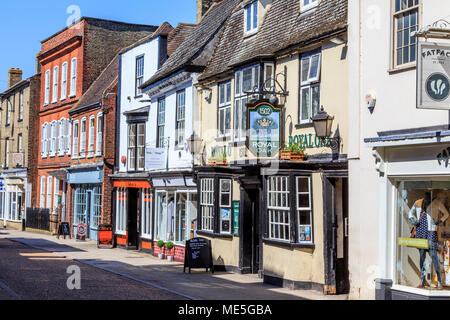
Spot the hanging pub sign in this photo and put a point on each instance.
(264, 123)
(433, 76)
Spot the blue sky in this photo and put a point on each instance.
(24, 24)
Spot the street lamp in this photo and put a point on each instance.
(194, 144)
(323, 124)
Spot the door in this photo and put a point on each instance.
(89, 223)
(132, 219)
(251, 249)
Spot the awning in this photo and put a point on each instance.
(61, 175)
(171, 182)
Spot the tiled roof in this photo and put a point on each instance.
(177, 36)
(192, 47)
(283, 26)
(95, 92)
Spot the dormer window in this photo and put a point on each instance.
(308, 4)
(251, 18)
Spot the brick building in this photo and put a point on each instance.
(71, 60)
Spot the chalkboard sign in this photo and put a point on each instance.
(64, 230)
(198, 255)
(105, 236)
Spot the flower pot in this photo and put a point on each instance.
(170, 258)
(292, 156)
(221, 162)
(161, 256)
(211, 162)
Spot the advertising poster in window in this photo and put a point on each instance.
(433, 76)
(225, 218)
(304, 234)
(264, 129)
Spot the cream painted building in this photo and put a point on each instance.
(283, 219)
(397, 152)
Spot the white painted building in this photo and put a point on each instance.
(393, 152)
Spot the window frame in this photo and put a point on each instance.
(254, 24)
(134, 150)
(42, 194)
(224, 206)
(7, 147)
(312, 4)
(73, 77)
(47, 88)
(99, 135)
(82, 153)
(309, 84)
(223, 108)
(180, 122)
(20, 106)
(160, 139)
(139, 79)
(49, 192)
(75, 138)
(121, 209)
(299, 208)
(19, 143)
(206, 216)
(64, 74)
(91, 137)
(55, 84)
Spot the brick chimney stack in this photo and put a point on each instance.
(203, 6)
(14, 76)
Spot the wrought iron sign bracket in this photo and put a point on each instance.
(438, 30)
(261, 91)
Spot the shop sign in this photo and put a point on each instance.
(198, 255)
(155, 158)
(132, 184)
(309, 141)
(414, 243)
(81, 232)
(433, 76)
(105, 236)
(264, 123)
(236, 212)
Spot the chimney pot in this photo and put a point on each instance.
(14, 76)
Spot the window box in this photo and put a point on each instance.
(211, 162)
(292, 156)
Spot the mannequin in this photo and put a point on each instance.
(426, 224)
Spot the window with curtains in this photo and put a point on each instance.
(47, 88)
(139, 74)
(121, 209)
(83, 130)
(73, 78)
(251, 18)
(207, 204)
(49, 192)
(136, 147)
(76, 135)
(310, 67)
(224, 114)
(160, 139)
(181, 115)
(64, 81)
(406, 21)
(55, 84)
(91, 136)
(42, 193)
(99, 142)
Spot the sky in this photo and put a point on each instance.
(24, 24)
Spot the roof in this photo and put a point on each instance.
(15, 87)
(296, 28)
(178, 35)
(191, 49)
(95, 92)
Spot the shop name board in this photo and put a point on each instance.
(264, 123)
(433, 76)
(309, 141)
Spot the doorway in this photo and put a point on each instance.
(132, 219)
(250, 235)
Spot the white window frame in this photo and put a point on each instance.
(91, 142)
(251, 8)
(121, 209)
(55, 195)
(53, 139)
(61, 137)
(310, 83)
(8, 111)
(49, 192)
(21, 105)
(82, 153)
(64, 81)
(99, 131)
(76, 136)
(180, 118)
(207, 204)
(311, 4)
(300, 209)
(139, 74)
(225, 206)
(42, 193)
(49, 138)
(279, 208)
(55, 84)
(68, 137)
(395, 16)
(47, 88)
(44, 141)
(269, 85)
(161, 123)
(224, 108)
(146, 205)
(73, 78)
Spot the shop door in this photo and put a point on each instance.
(89, 232)
(251, 244)
(132, 219)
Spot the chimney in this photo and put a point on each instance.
(14, 76)
(202, 7)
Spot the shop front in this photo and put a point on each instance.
(13, 192)
(416, 223)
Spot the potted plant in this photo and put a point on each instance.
(222, 161)
(160, 245)
(292, 153)
(170, 254)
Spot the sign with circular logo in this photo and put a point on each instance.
(438, 86)
(81, 230)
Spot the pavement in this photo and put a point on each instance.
(166, 277)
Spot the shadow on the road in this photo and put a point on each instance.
(46, 245)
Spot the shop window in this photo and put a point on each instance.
(146, 213)
(207, 204)
(2, 204)
(160, 140)
(224, 116)
(97, 202)
(251, 18)
(423, 242)
(121, 211)
(80, 206)
(310, 67)
(225, 205)
(136, 147)
(405, 21)
(304, 210)
(279, 209)
(139, 74)
(181, 117)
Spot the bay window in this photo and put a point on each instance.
(310, 67)
(224, 116)
(207, 204)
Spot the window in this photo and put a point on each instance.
(83, 138)
(308, 4)
(224, 118)
(225, 206)
(49, 138)
(99, 145)
(73, 78)
(304, 210)
(146, 213)
(68, 138)
(139, 74)
(181, 111)
(80, 205)
(7, 153)
(310, 67)
(55, 84)
(121, 203)
(279, 208)
(42, 193)
(251, 17)
(269, 76)
(57, 134)
(64, 81)
(97, 202)
(91, 136)
(76, 134)
(49, 192)
(55, 196)
(19, 143)
(47, 88)
(8, 112)
(44, 140)
(406, 21)
(136, 147)
(21, 105)
(53, 139)
(246, 80)
(61, 137)
(161, 122)
(207, 204)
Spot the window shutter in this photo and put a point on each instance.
(91, 135)
(42, 195)
(68, 137)
(42, 140)
(57, 124)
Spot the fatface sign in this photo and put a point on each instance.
(433, 76)
(264, 129)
